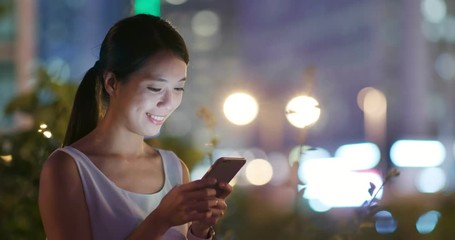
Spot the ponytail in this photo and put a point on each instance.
(125, 48)
(85, 112)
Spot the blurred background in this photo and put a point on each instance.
(344, 109)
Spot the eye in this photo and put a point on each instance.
(179, 89)
(153, 89)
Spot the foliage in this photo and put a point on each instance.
(25, 150)
(209, 121)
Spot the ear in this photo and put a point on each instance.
(110, 83)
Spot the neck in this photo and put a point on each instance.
(108, 138)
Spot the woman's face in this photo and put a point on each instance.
(150, 94)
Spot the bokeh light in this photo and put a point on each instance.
(205, 23)
(427, 222)
(7, 158)
(302, 111)
(259, 172)
(318, 206)
(417, 153)
(445, 66)
(372, 101)
(301, 153)
(176, 2)
(434, 10)
(385, 223)
(359, 156)
(47, 134)
(431, 180)
(336, 187)
(240, 108)
(199, 170)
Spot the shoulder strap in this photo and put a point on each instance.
(173, 167)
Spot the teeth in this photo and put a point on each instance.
(158, 118)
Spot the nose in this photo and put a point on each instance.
(165, 100)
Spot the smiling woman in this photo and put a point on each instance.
(106, 182)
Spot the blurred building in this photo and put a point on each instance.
(404, 49)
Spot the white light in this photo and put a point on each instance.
(302, 153)
(431, 180)
(342, 189)
(359, 156)
(434, 10)
(47, 134)
(205, 23)
(240, 108)
(259, 172)
(43, 126)
(302, 111)
(318, 206)
(417, 153)
(313, 168)
(427, 222)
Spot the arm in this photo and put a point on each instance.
(202, 229)
(62, 205)
(186, 179)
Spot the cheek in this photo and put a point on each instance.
(178, 100)
(143, 103)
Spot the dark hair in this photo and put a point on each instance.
(126, 47)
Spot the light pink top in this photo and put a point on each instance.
(115, 212)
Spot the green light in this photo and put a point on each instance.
(147, 6)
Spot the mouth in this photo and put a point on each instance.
(158, 120)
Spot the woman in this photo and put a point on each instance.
(106, 183)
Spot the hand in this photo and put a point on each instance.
(223, 190)
(200, 228)
(188, 202)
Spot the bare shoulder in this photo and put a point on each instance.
(59, 174)
(62, 204)
(59, 164)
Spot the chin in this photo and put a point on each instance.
(152, 134)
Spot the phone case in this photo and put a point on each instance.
(225, 168)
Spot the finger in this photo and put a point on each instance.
(220, 204)
(202, 194)
(216, 213)
(224, 190)
(205, 205)
(199, 216)
(198, 184)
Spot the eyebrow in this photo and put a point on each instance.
(165, 80)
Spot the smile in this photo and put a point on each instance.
(155, 119)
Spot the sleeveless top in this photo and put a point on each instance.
(115, 212)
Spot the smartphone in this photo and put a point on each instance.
(225, 168)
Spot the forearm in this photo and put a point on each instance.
(151, 228)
